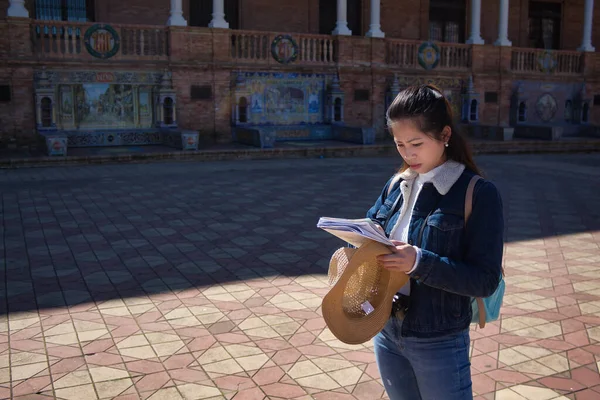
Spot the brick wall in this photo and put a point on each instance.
(201, 57)
(147, 12)
(279, 16)
(572, 25)
(401, 22)
(195, 114)
(356, 112)
(406, 19)
(17, 117)
(514, 21)
(489, 20)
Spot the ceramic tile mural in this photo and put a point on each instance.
(91, 100)
(104, 105)
(284, 98)
(550, 103)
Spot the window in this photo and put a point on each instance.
(544, 24)
(46, 106)
(64, 10)
(355, 17)
(473, 111)
(201, 13)
(464, 115)
(585, 111)
(522, 115)
(337, 110)
(447, 20)
(243, 110)
(328, 16)
(168, 111)
(568, 111)
(5, 94)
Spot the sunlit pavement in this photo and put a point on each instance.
(204, 281)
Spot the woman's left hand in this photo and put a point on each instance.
(401, 260)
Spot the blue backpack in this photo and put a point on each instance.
(485, 309)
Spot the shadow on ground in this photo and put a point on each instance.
(95, 233)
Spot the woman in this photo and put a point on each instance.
(423, 351)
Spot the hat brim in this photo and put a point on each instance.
(359, 329)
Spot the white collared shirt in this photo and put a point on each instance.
(401, 229)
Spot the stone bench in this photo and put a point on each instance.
(56, 144)
(490, 132)
(539, 132)
(181, 139)
(353, 134)
(256, 137)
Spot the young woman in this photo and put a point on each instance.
(423, 351)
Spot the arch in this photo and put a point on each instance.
(585, 112)
(243, 110)
(522, 113)
(337, 110)
(168, 117)
(568, 111)
(473, 110)
(46, 111)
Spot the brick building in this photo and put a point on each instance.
(118, 72)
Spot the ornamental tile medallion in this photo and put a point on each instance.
(102, 41)
(284, 49)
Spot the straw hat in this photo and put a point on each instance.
(360, 302)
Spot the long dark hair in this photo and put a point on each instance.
(427, 107)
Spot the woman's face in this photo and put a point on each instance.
(419, 150)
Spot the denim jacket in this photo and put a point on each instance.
(457, 262)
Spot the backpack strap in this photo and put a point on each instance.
(395, 179)
(469, 197)
(468, 209)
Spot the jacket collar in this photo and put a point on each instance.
(445, 176)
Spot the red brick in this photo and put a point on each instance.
(202, 56)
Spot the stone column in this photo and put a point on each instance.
(341, 26)
(503, 25)
(218, 20)
(588, 14)
(176, 16)
(375, 28)
(16, 8)
(475, 37)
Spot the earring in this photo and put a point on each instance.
(446, 144)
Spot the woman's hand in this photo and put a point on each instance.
(402, 259)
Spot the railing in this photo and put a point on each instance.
(405, 54)
(256, 47)
(546, 61)
(454, 56)
(401, 53)
(66, 40)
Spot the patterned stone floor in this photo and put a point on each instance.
(204, 281)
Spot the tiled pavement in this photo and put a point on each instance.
(204, 281)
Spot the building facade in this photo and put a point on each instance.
(103, 73)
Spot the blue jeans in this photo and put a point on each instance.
(423, 369)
